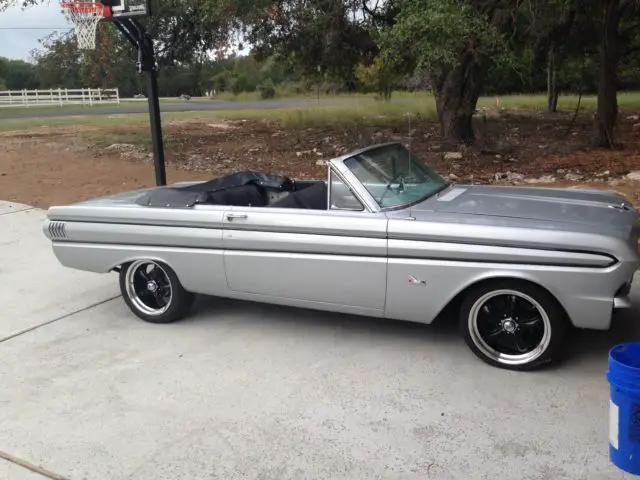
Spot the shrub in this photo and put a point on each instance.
(267, 90)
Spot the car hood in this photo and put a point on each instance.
(534, 203)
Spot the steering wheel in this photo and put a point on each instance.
(388, 187)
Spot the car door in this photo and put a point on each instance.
(333, 257)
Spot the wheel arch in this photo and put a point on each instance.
(455, 301)
(117, 267)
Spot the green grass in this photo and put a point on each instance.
(530, 101)
(365, 113)
(360, 110)
(626, 100)
(92, 121)
(51, 108)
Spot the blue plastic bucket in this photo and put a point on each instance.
(624, 407)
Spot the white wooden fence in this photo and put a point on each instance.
(58, 96)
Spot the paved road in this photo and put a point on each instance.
(242, 390)
(175, 106)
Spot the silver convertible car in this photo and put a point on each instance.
(383, 236)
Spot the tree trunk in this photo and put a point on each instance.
(457, 92)
(387, 92)
(457, 89)
(552, 91)
(607, 111)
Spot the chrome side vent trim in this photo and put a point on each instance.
(57, 230)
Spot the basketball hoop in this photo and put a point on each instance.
(85, 17)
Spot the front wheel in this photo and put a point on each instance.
(153, 292)
(513, 325)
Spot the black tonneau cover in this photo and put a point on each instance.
(242, 188)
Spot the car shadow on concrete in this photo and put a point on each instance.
(584, 347)
(585, 344)
(289, 317)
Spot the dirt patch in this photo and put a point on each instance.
(58, 169)
(529, 143)
(48, 166)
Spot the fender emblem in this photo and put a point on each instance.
(414, 281)
(623, 206)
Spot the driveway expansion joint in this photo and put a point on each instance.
(30, 466)
(17, 211)
(62, 317)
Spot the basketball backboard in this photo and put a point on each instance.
(128, 8)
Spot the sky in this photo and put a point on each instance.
(21, 29)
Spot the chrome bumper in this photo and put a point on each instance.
(623, 301)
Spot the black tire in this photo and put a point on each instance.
(149, 304)
(502, 317)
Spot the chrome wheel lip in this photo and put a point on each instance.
(134, 296)
(495, 355)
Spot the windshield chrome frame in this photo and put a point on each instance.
(331, 170)
(360, 192)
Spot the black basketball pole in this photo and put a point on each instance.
(135, 33)
(156, 128)
(149, 60)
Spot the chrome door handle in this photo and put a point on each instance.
(231, 216)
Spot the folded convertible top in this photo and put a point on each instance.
(205, 193)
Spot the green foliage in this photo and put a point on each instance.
(58, 63)
(17, 74)
(267, 90)
(238, 83)
(380, 76)
(434, 32)
(220, 82)
(4, 4)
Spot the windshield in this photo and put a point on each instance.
(393, 176)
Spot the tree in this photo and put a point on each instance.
(220, 82)
(58, 62)
(612, 23)
(455, 41)
(381, 76)
(612, 18)
(17, 74)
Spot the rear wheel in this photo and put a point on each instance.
(153, 292)
(513, 325)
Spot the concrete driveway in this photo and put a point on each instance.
(242, 390)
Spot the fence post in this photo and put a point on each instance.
(99, 95)
(118, 95)
(90, 97)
